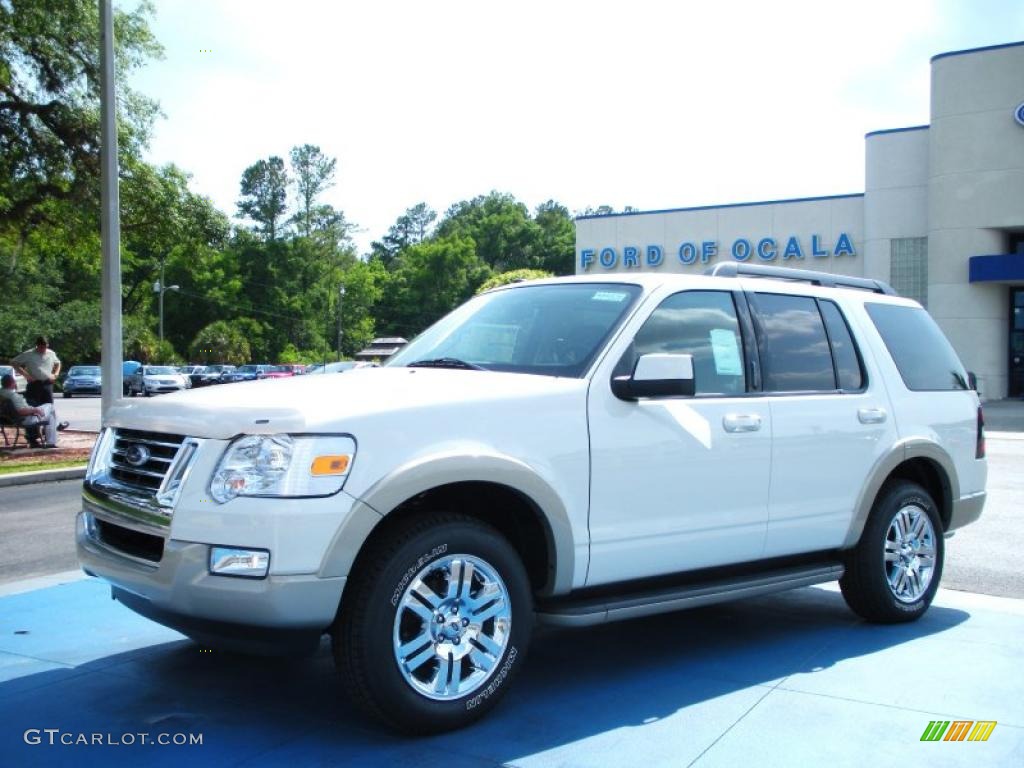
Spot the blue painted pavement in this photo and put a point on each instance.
(792, 679)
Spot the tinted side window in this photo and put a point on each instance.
(795, 355)
(702, 324)
(844, 352)
(923, 355)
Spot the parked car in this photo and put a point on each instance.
(155, 379)
(83, 380)
(128, 369)
(19, 380)
(211, 375)
(249, 372)
(571, 452)
(297, 369)
(276, 372)
(191, 372)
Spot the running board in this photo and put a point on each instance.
(601, 610)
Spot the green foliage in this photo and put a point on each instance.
(313, 173)
(410, 228)
(220, 342)
(49, 102)
(264, 195)
(434, 277)
(515, 276)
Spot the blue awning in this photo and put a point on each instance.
(1001, 268)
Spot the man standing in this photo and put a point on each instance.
(32, 417)
(40, 367)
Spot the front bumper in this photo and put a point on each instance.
(278, 614)
(274, 614)
(157, 559)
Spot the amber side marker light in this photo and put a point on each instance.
(329, 465)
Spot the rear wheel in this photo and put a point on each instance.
(434, 623)
(893, 573)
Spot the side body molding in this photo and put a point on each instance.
(427, 473)
(912, 448)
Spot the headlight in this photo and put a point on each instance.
(283, 465)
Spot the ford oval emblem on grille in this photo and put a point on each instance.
(136, 455)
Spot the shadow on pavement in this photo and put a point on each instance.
(701, 669)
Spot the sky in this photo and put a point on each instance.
(647, 104)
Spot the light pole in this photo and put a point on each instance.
(341, 297)
(159, 287)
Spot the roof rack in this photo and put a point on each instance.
(824, 279)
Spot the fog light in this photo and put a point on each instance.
(229, 561)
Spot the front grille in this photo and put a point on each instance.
(144, 546)
(141, 459)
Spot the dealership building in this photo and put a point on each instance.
(941, 219)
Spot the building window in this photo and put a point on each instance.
(909, 271)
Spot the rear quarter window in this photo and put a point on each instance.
(924, 357)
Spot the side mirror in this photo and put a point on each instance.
(657, 375)
(972, 380)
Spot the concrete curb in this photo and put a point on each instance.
(42, 476)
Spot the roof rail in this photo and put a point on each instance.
(824, 279)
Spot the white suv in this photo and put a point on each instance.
(570, 451)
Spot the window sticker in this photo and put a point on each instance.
(609, 296)
(726, 349)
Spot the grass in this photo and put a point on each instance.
(7, 468)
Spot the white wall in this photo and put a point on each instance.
(975, 193)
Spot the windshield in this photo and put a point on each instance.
(249, 369)
(159, 370)
(84, 370)
(552, 330)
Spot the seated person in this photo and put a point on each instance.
(31, 417)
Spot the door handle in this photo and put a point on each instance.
(872, 415)
(741, 422)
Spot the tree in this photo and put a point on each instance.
(220, 342)
(264, 191)
(515, 276)
(434, 277)
(500, 226)
(314, 173)
(410, 228)
(49, 102)
(556, 243)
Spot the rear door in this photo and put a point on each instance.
(831, 421)
(679, 483)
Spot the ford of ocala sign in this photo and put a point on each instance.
(741, 249)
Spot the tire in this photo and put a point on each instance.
(893, 572)
(147, 393)
(454, 671)
(67, 395)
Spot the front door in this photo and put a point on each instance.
(1016, 367)
(679, 483)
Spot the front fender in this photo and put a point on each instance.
(430, 472)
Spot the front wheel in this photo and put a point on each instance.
(434, 623)
(67, 395)
(893, 573)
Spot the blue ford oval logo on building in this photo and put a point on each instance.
(1018, 113)
(136, 455)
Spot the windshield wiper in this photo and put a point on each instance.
(446, 362)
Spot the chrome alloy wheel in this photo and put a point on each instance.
(909, 553)
(451, 627)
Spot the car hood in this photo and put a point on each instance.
(323, 403)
